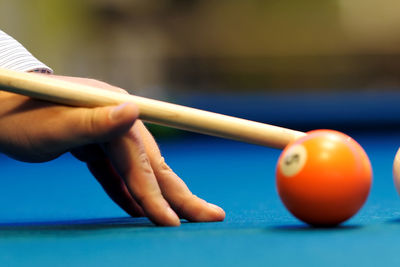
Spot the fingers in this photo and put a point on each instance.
(185, 204)
(129, 158)
(145, 172)
(148, 186)
(175, 191)
(146, 178)
(115, 187)
(102, 169)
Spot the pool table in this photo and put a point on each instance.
(55, 214)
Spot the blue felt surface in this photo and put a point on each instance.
(55, 214)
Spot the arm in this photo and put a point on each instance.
(117, 148)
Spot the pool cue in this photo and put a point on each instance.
(153, 111)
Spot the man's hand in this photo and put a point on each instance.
(118, 150)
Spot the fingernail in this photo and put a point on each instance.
(173, 217)
(117, 111)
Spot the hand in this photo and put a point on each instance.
(117, 148)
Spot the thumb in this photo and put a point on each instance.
(98, 125)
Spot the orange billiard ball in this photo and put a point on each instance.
(396, 171)
(323, 178)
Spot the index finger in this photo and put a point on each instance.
(130, 160)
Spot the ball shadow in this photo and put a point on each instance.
(394, 221)
(308, 228)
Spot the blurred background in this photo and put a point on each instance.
(203, 53)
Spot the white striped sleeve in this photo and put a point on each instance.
(14, 56)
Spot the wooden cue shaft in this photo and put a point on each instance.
(153, 111)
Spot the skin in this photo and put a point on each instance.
(116, 146)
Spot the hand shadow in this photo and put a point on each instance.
(71, 226)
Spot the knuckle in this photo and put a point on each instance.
(134, 136)
(95, 82)
(120, 90)
(89, 124)
(163, 170)
(163, 165)
(106, 86)
(144, 163)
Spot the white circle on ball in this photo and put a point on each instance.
(293, 160)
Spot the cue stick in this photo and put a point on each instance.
(153, 111)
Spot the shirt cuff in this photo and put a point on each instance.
(14, 56)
